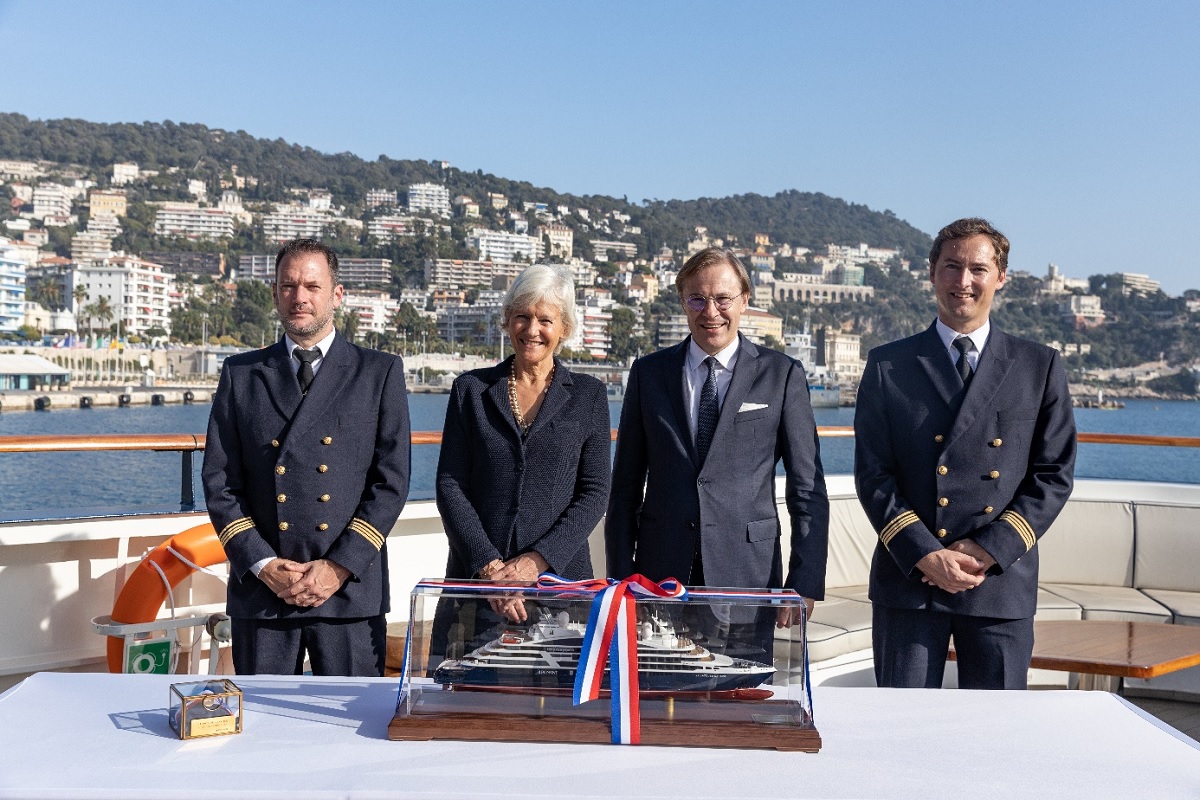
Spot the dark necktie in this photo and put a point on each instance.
(305, 373)
(963, 345)
(706, 417)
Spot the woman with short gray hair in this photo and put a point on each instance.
(524, 470)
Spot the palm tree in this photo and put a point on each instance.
(80, 293)
(103, 309)
(85, 315)
(347, 323)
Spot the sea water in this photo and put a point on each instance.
(44, 485)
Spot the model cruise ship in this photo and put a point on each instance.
(546, 654)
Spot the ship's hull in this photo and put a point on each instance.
(452, 673)
(824, 396)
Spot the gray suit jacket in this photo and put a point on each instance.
(322, 475)
(935, 463)
(664, 504)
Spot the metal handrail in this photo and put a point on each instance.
(188, 443)
(194, 442)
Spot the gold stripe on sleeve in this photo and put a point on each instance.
(234, 528)
(1023, 528)
(367, 531)
(899, 523)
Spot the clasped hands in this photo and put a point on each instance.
(308, 584)
(957, 568)
(524, 568)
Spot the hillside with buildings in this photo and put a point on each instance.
(160, 232)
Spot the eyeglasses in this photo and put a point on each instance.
(699, 302)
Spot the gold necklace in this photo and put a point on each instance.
(512, 396)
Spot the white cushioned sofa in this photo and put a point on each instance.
(1121, 550)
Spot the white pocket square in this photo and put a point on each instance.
(751, 407)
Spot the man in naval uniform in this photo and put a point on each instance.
(305, 471)
(964, 455)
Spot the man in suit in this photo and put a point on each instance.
(703, 425)
(305, 471)
(965, 454)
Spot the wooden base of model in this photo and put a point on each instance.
(691, 722)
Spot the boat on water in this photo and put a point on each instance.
(825, 395)
(546, 655)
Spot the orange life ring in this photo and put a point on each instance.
(144, 593)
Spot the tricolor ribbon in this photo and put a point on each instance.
(612, 636)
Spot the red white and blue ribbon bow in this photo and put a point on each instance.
(612, 636)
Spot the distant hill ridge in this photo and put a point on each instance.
(806, 219)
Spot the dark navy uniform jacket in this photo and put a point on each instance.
(665, 504)
(501, 494)
(322, 475)
(935, 463)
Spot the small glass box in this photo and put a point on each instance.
(499, 662)
(205, 708)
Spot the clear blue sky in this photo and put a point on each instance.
(1075, 127)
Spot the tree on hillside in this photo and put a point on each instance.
(621, 328)
(253, 312)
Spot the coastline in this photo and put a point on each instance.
(1081, 391)
(101, 396)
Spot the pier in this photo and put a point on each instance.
(102, 396)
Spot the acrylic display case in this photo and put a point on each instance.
(713, 667)
(205, 708)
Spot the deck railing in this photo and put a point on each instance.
(188, 443)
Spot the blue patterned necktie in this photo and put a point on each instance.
(706, 417)
(963, 345)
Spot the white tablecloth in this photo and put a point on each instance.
(106, 736)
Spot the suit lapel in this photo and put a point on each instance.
(993, 367)
(327, 386)
(672, 378)
(498, 393)
(939, 369)
(555, 399)
(281, 381)
(744, 373)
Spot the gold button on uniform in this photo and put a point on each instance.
(939, 438)
(322, 468)
(274, 443)
(324, 526)
(997, 442)
(324, 498)
(283, 526)
(281, 498)
(942, 532)
(988, 509)
(943, 501)
(994, 474)
(327, 440)
(942, 470)
(280, 470)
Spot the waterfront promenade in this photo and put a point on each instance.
(102, 396)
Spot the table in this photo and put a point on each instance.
(1104, 651)
(106, 736)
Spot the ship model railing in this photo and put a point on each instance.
(186, 444)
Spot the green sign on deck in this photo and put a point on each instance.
(149, 657)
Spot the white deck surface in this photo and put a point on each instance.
(106, 736)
